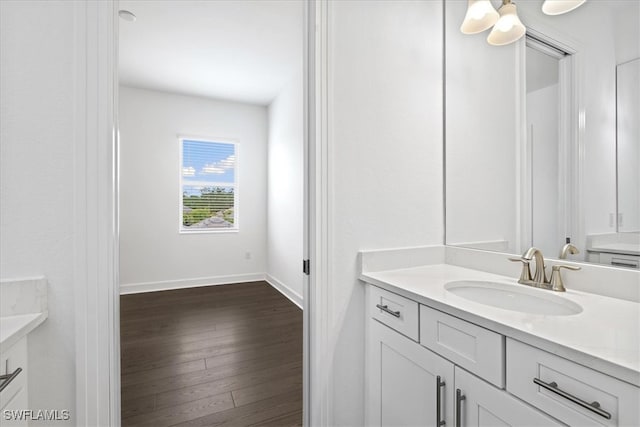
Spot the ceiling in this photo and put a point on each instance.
(240, 50)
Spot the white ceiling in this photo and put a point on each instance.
(241, 50)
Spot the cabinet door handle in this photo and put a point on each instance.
(459, 398)
(439, 385)
(6, 379)
(593, 406)
(386, 309)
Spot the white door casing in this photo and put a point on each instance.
(97, 352)
(96, 215)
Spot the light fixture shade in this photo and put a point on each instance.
(558, 7)
(509, 28)
(480, 15)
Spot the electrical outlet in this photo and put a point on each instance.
(620, 220)
(247, 255)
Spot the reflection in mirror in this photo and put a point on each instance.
(628, 117)
(544, 148)
(531, 134)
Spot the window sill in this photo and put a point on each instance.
(209, 231)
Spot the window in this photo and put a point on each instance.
(209, 193)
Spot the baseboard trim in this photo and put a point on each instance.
(293, 296)
(135, 288)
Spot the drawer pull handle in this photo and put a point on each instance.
(593, 406)
(6, 379)
(459, 398)
(439, 385)
(386, 309)
(625, 264)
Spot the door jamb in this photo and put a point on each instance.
(96, 214)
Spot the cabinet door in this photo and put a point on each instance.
(487, 406)
(16, 405)
(14, 397)
(402, 386)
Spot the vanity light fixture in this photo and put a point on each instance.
(558, 7)
(480, 15)
(509, 28)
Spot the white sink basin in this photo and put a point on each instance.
(518, 298)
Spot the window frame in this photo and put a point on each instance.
(236, 191)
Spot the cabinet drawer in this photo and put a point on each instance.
(11, 359)
(573, 389)
(629, 261)
(472, 347)
(395, 311)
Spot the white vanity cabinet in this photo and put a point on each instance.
(407, 384)
(410, 385)
(460, 374)
(14, 396)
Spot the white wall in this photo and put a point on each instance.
(285, 189)
(600, 131)
(36, 197)
(385, 147)
(628, 89)
(542, 133)
(481, 137)
(151, 249)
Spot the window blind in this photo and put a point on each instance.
(208, 185)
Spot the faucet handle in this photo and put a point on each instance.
(556, 278)
(525, 275)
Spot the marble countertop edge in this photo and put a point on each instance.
(13, 328)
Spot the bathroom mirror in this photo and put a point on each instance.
(628, 146)
(530, 132)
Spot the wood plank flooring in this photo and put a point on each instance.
(227, 355)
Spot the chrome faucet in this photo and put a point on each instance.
(539, 279)
(568, 249)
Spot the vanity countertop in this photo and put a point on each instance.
(605, 336)
(23, 307)
(12, 328)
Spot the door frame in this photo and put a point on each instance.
(96, 228)
(95, 275)
(571, 136)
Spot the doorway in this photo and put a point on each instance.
(548, 148)
(155, 254)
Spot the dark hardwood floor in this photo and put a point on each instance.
(226, 355)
